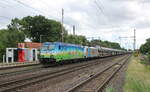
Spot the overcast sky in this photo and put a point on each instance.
(101, 19)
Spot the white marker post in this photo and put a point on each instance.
(3, 58)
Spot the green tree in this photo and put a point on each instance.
(76, 39)
(105, 44)
(115, 45)
(34, 27)
(145, 48)
(96, 42)
(14, 25)
(9, 39)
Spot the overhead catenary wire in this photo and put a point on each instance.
(28, 6)
(99, 4)
(5, 3)
(32, 8)
(101, 9)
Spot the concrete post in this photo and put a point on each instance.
(12, 60)
(3, 58)
(36, 54)
(6, 55)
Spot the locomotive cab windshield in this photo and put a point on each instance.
(50, 47)
(47, 50)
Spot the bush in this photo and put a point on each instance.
(138, 86)
(9, 39)
(145, 60)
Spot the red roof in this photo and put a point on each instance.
(31, 45)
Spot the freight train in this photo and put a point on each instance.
(57, 52)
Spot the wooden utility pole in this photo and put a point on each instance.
(41, 38)
(73, 29)
(62, 29)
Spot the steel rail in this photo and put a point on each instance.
(100, 88)
(33, 68)
(95, 76)
(12, 85)
(17, 84)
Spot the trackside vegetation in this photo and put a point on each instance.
(145, 49)
(9, 39)
(110, 89)
(137, 76)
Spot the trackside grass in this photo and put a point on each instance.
(137, 76)
(110, 89)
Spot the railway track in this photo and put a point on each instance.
(20, 71)
(98, 82)
(21, 83)
(12, 71)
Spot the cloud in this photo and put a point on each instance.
(113, 18)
